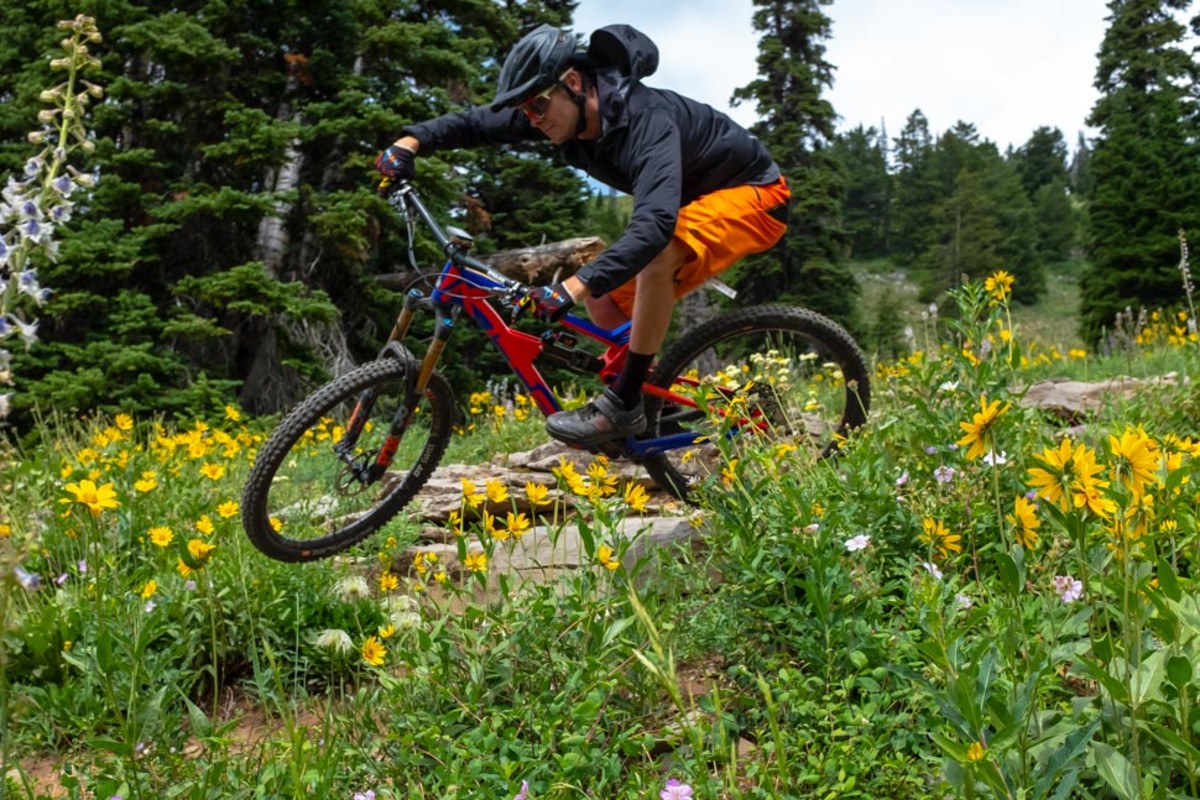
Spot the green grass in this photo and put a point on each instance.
(893, 623)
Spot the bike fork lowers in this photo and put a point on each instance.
(414, 389)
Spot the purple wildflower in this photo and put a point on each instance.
(903, 479)
(944, 474)
(524, 793)
(369, 794)
(674, 790)
(1068, 589)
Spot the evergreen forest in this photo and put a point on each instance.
(227, 246)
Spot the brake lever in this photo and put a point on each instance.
(519, 304)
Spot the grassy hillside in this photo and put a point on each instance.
(970, 601)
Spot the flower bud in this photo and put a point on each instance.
(47, 115)
(50, 95)
(87, 146)
(94, 90)
(37, 137)
(60, 63)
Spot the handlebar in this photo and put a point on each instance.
(404, 197)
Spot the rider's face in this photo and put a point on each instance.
(560, 117)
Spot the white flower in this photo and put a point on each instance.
(856, 543)
(334, 639)
(353, 587)
(993, 459)
(405, 620)
(948, 386)
(903, 479)
(932, 569)
(964, 601)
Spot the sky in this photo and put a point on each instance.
(1006, 66)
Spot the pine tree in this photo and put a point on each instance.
(918, 191)
(1145, 165)
(983, 224)
(867, 197)
(1042, 165)
(1080, 172)
(233, 236)
(797, 127)
(1042, 159)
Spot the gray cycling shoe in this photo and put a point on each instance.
(603, 419)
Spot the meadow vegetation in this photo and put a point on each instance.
(969, 601)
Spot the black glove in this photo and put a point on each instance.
(550, 303)
(397, 163)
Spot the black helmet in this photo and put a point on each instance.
(535, 64)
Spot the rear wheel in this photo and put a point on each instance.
(305, 499)
(766, 373)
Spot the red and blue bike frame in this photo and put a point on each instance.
(470, 290)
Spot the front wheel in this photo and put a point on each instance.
(307, 497)
(766, 373)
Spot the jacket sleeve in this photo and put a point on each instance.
(472, 128)
(656, 177)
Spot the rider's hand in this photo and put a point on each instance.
(396, 163)
(551, 302)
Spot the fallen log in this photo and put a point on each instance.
(535, 265)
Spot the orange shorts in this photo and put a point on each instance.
(719, 229)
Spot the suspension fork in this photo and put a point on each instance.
(366, 399)
(414, 390)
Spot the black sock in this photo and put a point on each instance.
(629, 383)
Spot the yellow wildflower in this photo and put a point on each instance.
(1024, 523)
(1135, 459)
(212, 471)
(517, 524)
(388, 582)
(232, 414)
(975, 752)
(979, 432)
(149, 589)
(470, 495)
(636, 497)
(96, 498)
(147, 483)
(161, 536)
(124, 422)
(387, 631)
(205, 525)
(607, 557)
(935, 534)
(476, 562)
(228, 509)
(373, 651)
(538, 493)
(998, 285)
(497, 492)
(200, 549)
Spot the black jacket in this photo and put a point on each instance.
(664, 149)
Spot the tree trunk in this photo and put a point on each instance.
(535, 265)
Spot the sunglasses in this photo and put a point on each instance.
(536, 107)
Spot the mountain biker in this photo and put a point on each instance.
(705, 191)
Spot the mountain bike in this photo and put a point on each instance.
(352, 455)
